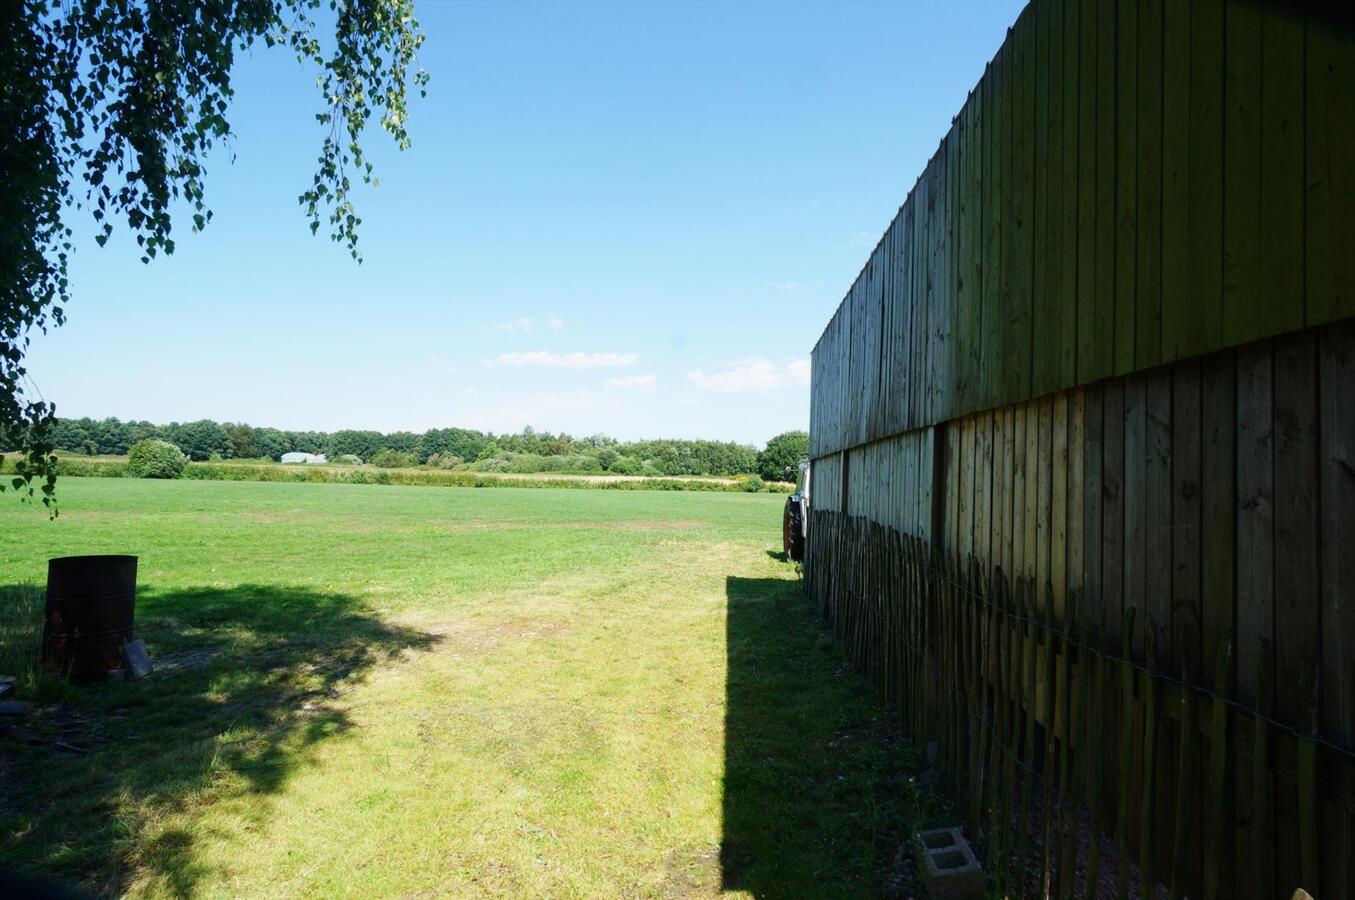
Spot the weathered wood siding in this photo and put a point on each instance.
(1129, 184)
(1083, 437)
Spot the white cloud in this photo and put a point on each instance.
(645, 384)
(556, 324)
(565, 360)
(513, 326)
(752, 375)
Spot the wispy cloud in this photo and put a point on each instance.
(752, 375)
(556, 324)
(565, 360)
(785, 287)
(514, 326)
(645, 384)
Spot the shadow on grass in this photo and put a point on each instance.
(247, 686)
(819, 788)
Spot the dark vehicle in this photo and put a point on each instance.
(795, 519)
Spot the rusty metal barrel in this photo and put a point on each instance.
(91, 601)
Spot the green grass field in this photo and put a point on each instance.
(370, 690)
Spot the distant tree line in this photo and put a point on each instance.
(461, 448)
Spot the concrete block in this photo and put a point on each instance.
(948, 866)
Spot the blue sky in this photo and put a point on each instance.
(627, 218)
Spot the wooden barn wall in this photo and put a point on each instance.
(890, 482)
(1130, 183)
(1213, 499)
(826, 483)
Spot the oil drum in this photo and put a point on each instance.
(91, 601)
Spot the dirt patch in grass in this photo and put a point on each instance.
(691, 872)
(474, 639)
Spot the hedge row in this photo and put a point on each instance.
(93, 468)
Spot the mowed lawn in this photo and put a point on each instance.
(371, 690)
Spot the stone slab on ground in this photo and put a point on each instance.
(136, 662)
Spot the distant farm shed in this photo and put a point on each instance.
(303, 458)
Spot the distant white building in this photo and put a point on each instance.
(303, 458)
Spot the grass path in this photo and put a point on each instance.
(432, 691)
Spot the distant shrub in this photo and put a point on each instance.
(444, 461)
(393, 459)
(156, 459)
(346, 459)
(625, 465)
(752, 483)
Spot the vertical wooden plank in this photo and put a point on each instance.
(1094, 322)
(1009, 441)
(910, 344)
(1044, 366)
(1204, 238)
(1017, 343)
(1093, 597)
(1058, 511)
(1217, 871)
(1181, 315)
(1263, 834)
(1026, 686)
(1104, 220)
(966, 535)
(1329, 124)
(1158, 599)
(1282, 158)
(1077, 484)
(990, 290)
(1244, 317)
(1186, 498)
(1218, 501)
(1157, 485)
(1070, 246)
(964, 309)
(998, 495)
(1150, 774)
(1125, 773)
(1298, 622)
(1255, 584)
(1337, 488)
(1255, 517)
(1135, 498)
(1044, 486)
(983, 491)
(1148, 182)
(1095, 714)
(1031, 525)
(1126, 191)
(1018, 520)
(1112, 512)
